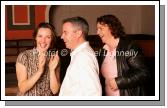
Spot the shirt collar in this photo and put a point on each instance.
(79, 48)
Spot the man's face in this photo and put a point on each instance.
(104, 32)
(69, 35)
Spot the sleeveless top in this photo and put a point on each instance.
(29, 59)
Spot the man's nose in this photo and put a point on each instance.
(62, 36)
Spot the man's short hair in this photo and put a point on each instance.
(80, 23)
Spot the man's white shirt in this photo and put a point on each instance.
(82, 75)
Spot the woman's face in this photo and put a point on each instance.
(104, 32)
(43, 39)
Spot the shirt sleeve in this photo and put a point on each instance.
(22, 58)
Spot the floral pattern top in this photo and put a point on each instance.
(29, 59)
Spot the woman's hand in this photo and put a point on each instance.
(113, 84)
(54, 60)
(54, 78)
(42, 60)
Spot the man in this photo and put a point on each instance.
(121, 62)
(82, 75)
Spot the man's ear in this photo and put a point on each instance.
(79, 33)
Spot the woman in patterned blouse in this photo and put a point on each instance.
(37, 69)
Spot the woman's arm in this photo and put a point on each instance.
(24, 83)
(54, 73)
(55, 80)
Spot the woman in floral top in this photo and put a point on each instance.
(37, 69)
